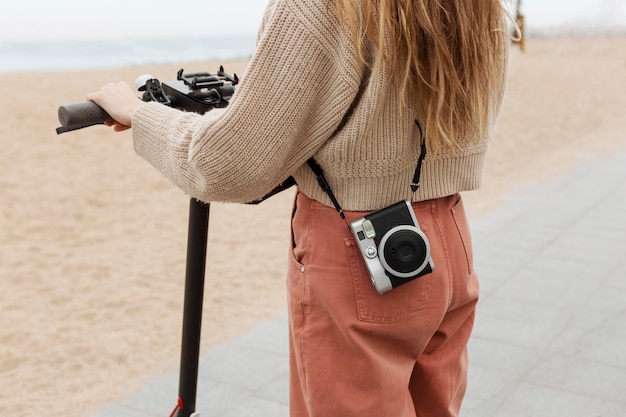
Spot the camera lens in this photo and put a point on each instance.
(405, 252)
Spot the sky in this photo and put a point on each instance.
(573, 13)
(85, 19)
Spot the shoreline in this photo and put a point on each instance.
(217, 53)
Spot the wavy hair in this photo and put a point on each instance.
(447, 55)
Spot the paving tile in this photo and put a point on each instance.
(582, 377)
(255, 407)
(491, 385)
(529, 400)
(501, 356)
(245, 367)
(268, 336)
(277, 390)
(215, 398)
(604, 310)
(116, 410)
(155, 397)
(475, 407)
(564, 290)
(597, 345)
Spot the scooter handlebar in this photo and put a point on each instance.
(78, 115)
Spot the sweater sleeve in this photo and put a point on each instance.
(290, 100)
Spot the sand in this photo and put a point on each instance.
(92, 248)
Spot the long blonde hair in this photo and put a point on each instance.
(445, 54)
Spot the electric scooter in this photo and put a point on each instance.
(194, 92)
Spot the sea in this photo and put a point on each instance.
(77, 54)
(63, 55)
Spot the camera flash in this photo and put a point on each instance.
(368, 228)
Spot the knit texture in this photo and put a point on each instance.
(304, 94)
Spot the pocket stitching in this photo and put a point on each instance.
(463, 237)
(364, 312)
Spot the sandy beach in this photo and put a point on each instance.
(93, 239)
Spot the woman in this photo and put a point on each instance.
(357, 85)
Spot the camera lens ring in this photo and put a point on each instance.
(383, 242)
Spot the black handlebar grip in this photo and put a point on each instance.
(86, 113)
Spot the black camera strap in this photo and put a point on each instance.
(321, 180)
(415, 184)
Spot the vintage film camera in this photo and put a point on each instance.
(393, 246)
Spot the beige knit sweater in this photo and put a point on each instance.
(298, 98)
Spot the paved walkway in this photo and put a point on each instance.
(550, 336)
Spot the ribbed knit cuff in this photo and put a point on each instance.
(147, 129)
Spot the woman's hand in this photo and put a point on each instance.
(120, 101)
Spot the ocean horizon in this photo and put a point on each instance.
(83, 54)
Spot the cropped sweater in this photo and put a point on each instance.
(304, 94)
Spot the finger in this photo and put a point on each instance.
(120, 127)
